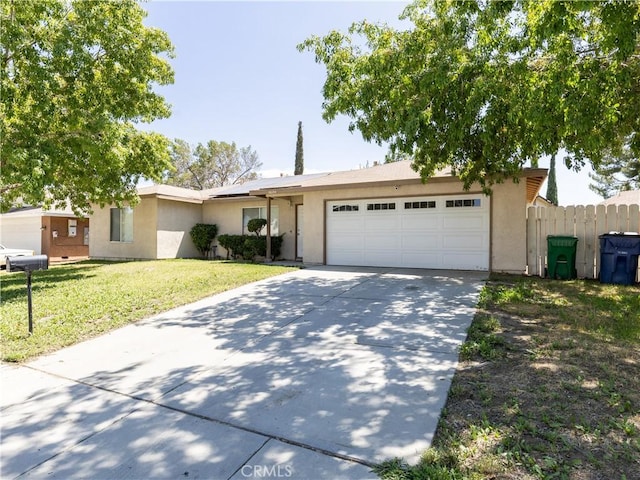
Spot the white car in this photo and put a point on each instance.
(12, 252)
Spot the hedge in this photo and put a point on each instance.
(250, 246)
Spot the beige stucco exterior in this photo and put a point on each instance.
(160, 230)
(227, 215)
(162, 223)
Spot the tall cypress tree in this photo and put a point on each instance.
(299, 153)
(552, 187)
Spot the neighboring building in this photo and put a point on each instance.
(56, 233)
(540, 201)
(629, 197)
(378, 216)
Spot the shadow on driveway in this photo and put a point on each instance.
(318, 373)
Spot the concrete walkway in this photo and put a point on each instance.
(318, 373)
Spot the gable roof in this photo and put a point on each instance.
(396, 173)
(29, 211)
(169, 192)
(628, 197)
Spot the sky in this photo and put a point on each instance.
(240, 78)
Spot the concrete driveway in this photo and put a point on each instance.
(318, 373)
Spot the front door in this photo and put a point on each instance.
(299, 220)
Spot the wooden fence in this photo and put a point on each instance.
(584, 222)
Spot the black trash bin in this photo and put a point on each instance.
(619, 257)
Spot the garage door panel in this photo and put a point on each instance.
(468, 242)
(379, 242)
(424, 223)
(463, 222)
(381, 223)
(460, 260)
(348, 257)
(420, 260)
(420, 232)
(420, 242)
(381, 258)
(348, 224)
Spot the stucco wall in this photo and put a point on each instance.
(144, 245)
(509, 227)
(227, 215)
(175, 221)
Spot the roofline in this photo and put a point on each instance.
(340, 186)
(286, 191)
(164, 196)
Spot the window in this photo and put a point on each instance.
(423, 204)
(472, 202)
(346, 208)
(122, 225)
(381, 206)
(261, 212)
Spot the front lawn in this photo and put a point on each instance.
(548, 387)
(74, 302)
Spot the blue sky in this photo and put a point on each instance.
(239, 78)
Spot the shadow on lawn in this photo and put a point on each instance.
(13, 285)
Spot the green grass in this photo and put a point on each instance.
(78, 301)
(548, 387)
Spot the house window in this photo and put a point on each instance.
(472, 202)
(261, 212)
(423, 204)
(346, 208)
(122, 225)
(381, 206)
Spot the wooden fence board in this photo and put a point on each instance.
(586, 223)
(634, 218)
(590, 242)
(579, 231)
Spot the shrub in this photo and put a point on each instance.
(202, 234)
(249, 246)
(255, 225)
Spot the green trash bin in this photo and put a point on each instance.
(561, 257)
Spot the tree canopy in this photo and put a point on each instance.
(618, 171)
(76, 78)
(214, 164)
(489, 87)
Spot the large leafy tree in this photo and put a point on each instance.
(214, 164)
(76, 77)
(618, 171)
(489, 87)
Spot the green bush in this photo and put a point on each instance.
(202, 234)
(249, 246)
(255, 225)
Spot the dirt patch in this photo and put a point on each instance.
(551, 401)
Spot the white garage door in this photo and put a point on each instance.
(447, 232)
